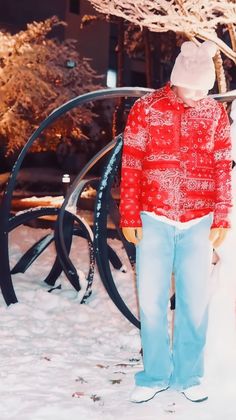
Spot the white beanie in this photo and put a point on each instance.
(194, 67)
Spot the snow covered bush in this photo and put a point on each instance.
(38, 74)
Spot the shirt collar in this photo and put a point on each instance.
(172, 95)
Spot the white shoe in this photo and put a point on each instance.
(143, 393)
(196, 393)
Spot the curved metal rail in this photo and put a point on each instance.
(105, 205)
(80, 229)
(5, 272)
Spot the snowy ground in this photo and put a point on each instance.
(61, 360)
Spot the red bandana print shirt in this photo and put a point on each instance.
(176, 160)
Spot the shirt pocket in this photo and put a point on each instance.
(202, 132)
(161, 130)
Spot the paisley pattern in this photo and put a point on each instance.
(176, 160)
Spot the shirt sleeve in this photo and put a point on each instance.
(223, 168)
(135, 137)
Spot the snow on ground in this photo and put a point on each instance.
(62, 360)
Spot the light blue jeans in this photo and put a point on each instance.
(187, 253)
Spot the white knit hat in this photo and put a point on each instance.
(194, 67)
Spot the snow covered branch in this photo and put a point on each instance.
(195, 18)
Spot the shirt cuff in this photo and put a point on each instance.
(221, 220)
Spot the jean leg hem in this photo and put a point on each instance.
(151, 383)
(181, 386)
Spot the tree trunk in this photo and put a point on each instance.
(120, 53)
(117, 122)
(148, 58)
(232, 34)
(220, 74)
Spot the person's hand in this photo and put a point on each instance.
(133, 235)
(217, 236)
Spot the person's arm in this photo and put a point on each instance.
(135, 137)
(223, 168)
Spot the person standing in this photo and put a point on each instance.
(175, 205)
